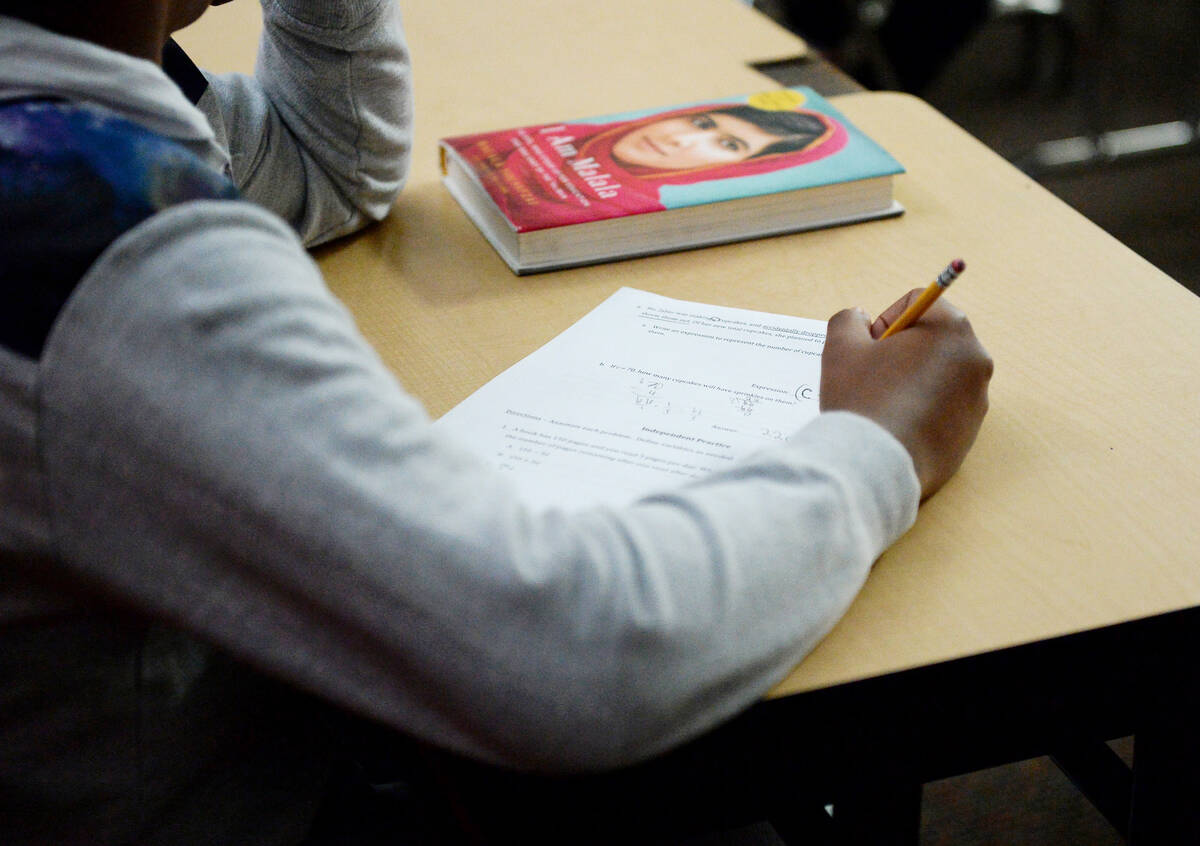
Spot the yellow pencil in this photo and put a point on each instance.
(927, 298)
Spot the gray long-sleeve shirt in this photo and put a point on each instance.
(209, 480)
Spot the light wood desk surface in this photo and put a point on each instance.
(1079, 507)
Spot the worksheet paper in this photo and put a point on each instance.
(642, 394)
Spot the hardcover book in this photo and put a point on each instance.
(563, 194)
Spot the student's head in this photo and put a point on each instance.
(715, 137)
(137, 27)
(185, 12)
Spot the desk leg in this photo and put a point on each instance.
(879, 815)
(1166, 782)
(1101, 776)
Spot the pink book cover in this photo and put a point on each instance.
(559, 174)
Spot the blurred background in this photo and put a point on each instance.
(1099, 100)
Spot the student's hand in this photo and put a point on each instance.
(926, 384)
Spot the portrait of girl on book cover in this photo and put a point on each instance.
(565, 173)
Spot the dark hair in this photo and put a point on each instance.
(796, 129)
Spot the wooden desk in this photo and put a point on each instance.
(1039, 577)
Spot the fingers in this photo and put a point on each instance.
(844, 360)
(854, 324)
(926, 385)
(849, 325)
(893, 312)
(941, 312)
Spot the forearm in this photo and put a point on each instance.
(294, 506)
(321, 133)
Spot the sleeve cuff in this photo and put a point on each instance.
(873, 464)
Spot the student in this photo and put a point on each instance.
(219, 508)
(620, 167)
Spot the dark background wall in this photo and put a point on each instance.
(1017, 81)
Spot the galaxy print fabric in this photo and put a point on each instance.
(74, 178)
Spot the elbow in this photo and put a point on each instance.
(384, 151)
(369, 199)
(380, 180)
(379, 165)
(382, 174)
(381, 197)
